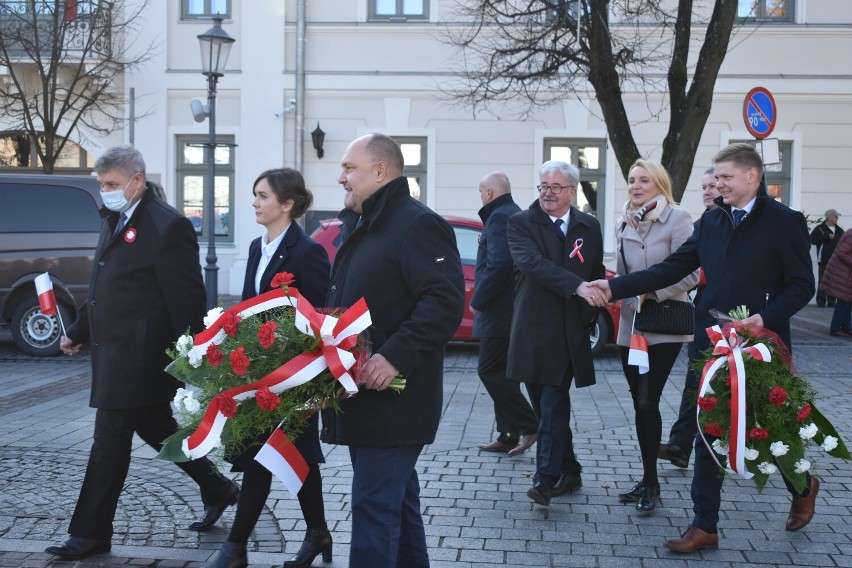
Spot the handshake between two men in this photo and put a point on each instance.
(596, 293)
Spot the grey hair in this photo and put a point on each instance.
(126, 159)
(571, 173)
(709, 172)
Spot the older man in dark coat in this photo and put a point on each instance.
(556, 248)
(755, 253)
(402, 258)
(491, 305)
(145, 292)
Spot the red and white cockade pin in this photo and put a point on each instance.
(578, 244)
(130, 235)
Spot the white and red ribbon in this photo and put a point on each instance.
(578, 244)
(337, 336)
(730, 351)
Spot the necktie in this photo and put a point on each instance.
(120, 224)
(558, 223)
(738, 216)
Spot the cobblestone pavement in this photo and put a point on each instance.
(474, 504)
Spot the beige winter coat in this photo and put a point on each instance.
(651, 242)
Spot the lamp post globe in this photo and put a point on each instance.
(215, 46)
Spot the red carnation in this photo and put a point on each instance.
(804, 412)
(757, 433)
(714, 429)
(728, 381)
(214, 355)
(707, 403)
(266, 334)
(282, 279)
(230, 324)
(227, 405)
(238, 360)
(267, 400)
(777, 396)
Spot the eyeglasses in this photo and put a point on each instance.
(555, 189)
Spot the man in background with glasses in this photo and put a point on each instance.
(556, 249)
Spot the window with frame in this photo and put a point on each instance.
(414, 154)
(192, 184)
(204, 9)
(589, 157)
(765, 10)
(399, 10)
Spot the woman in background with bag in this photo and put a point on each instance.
(652, 227)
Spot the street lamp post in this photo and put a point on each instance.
(215, 47)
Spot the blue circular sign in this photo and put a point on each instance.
(760, 112)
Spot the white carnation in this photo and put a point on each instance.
(767, 468)
(195, 358)
(180, 394)
(829, 443)
(720, 447)
(191, 403)
(808, 432)
(184, 345)
(212, 316)
(801, 466)
(751, 454)
(779, 449)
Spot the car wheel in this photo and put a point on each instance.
(600, 332)
(36, 333)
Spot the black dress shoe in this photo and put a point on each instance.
(540, 493)
(77, 547)
(316, 541)
(674, 454)
(231, 555)
(567, 483)
(214, 511)
(647, 499)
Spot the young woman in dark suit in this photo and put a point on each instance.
(280, 198)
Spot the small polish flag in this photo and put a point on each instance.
(281, 457)
(638, 354)
(44, 290)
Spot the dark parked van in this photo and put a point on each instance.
(48, 224)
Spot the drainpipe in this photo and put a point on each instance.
(300, 84)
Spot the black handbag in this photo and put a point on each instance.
(669, 316)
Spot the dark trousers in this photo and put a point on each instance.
(822, 298)
(685, 428)
(707, 488)
(646, 390)
(555, 446)
(109, 462)
(512, 411)
(841, 319)
(387, 527)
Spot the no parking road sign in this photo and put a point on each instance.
(760, 112)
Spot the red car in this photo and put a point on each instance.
(467, 238)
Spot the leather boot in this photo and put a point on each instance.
(231, 555)
(802, 509)
(316, 541)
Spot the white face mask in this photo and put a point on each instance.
(116, 201)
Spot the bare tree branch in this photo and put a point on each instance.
(538, 52)
(66, 61)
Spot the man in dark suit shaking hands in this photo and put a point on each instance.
(145, 292)
(556, 249)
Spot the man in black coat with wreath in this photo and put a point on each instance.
(401, 257)
(755, 253)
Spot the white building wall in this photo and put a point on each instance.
(382, 77)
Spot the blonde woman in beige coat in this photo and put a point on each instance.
(651, 228)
